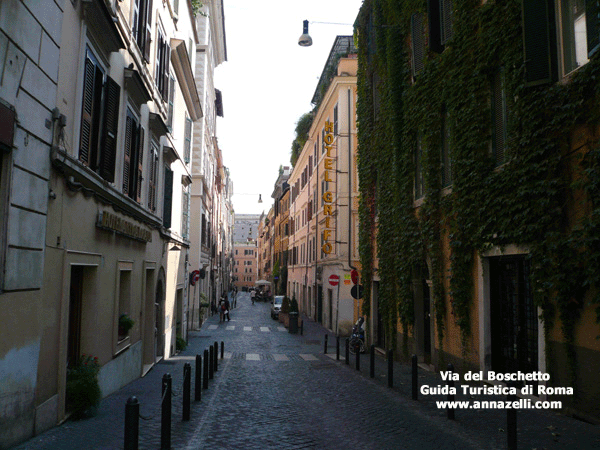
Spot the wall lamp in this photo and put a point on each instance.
(305, 40)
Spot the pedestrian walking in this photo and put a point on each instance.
(226, 311)
(252, 295)
(221, 309)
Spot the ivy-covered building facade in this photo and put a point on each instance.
(478, 164)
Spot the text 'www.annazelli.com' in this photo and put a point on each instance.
(523, 403)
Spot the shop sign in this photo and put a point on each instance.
(112, 222)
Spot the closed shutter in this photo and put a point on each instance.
(434, 19)
(171, 108)
(85, 144)
(592, 23)
(139, 162)
(187, 140)
(537, 22)
(418, 43)
(152, 177)
(109, 135)
(168, 198)
(446, 9)
(129, 145)
(148, 30)
(166, 75)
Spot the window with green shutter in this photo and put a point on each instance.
(168, 198)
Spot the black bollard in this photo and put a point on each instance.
(211, 363)
(187, 386)
(449, 410)
(347, 351)
(511, 421)
(358, 359)
(132, 424)
(216, 344)
(415, 381)
(222, 349)
(391, 368)
(372, 366)
(337, 347)
(198, 379)
(325, 345)
(205, 372)
(165, 419)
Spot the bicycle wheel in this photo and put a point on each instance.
(362, 346)
(354, 345)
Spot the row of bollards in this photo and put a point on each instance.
(511, 413)
(203, 375)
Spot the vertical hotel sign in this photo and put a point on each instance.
(328, 205)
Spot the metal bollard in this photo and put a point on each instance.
(358, 358)
(222, 349)
(216, 344)
(211, 364)
(187, 386)
(325, 345)
(132, 424)
(391, 368)
(511, 422)
(165, 418)
(205, 372)
(372, 365)
(415, 381)
(347, 351)
(450, 411)
(337, 347)
(198, 379)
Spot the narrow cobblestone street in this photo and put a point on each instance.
(276, 390)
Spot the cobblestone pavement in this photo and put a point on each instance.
(275, 390)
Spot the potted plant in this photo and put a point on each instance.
(125, 324)
(284, 312)
(83, 391)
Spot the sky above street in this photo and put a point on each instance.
(267, 83)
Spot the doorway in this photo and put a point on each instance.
(159, 330)
(514, 321)
(75, 307)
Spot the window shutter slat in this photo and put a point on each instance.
(148, 30)
(536, 41)
(109, 135)
(86, 113)
(592, 23)
(168, 198)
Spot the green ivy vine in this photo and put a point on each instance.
(528, 201)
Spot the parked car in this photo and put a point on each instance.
(276, 306)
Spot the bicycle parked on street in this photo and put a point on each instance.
(357, 339)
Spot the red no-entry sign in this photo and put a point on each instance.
(334, 280)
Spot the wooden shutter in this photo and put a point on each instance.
(418, 43)
(434, 18)
(85, 143)
(109, 134)
(152, 177)
(538, 21)
(147, 30)
(165, 73)
(129, 136)
(168, 198)
(446, 22)
(139, 161)
(592, 23)
(187, 144)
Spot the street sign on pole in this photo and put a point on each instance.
(334, 280)
(357, 291)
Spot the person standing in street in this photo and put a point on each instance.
(226, 312)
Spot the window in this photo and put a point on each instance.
(99, 119)
(418, 170)
(446, 160)
(142, 24)
(417, 43)
(185, 212)
(168, 197)
(132, 164)
(499, 118)
(152, 176)
(171, 103)
(163, 58)
(574, 39)
(187, 140)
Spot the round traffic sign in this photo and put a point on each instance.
(334, 280)
(354, 276)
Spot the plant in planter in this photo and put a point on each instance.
(83, 391)
(284, 311)
(125, 324)
(294, 305)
